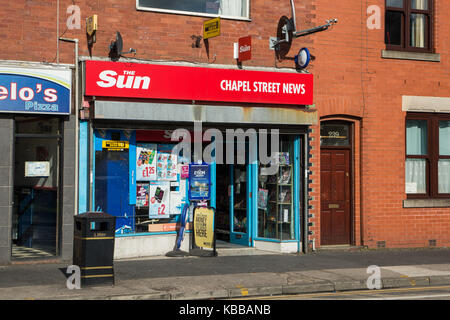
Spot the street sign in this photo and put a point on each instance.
(91, 25)
(211, 28)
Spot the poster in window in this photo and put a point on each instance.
(178, 196)
(263, 196)
(166, 167)
(159, 193)
(167, 163)
(142, 194)
(146, 161)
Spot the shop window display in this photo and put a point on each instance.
(160, 187)
(275, 197)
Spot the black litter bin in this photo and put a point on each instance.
(93, 247)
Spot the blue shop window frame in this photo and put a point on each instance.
(295, 199)
(131, 137)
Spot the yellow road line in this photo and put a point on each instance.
(374, 291)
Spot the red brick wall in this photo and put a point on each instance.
(29, 31)
(352, 79)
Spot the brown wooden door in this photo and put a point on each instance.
(335, 196)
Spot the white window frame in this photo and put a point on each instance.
(198, 14)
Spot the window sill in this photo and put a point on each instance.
(426, 203)
(405, 55)
(195, 14)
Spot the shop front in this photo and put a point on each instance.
(35, 106)
(148, 122)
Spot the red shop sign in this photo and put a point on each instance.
(245, 48)
(150, 81)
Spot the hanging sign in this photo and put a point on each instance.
(199, 182)
(114, 145)
(35, 90)
(150, 81)
(204, 227)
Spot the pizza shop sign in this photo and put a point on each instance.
(35, 90)
(150, 81)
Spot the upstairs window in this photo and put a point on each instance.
(427, 167)
(409, 25)
(237, 9)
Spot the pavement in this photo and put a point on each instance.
(236, 272)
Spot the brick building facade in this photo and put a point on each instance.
(358, 84)
(362, 84)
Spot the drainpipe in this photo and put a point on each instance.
(305, 194)
(77, 101)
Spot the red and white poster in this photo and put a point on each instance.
(152, 81)
(159, 206)
(146, 155)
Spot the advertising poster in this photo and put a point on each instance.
(263, 196)
(177, 196)
(159, 206)
(142, 194)
(204, 227)
(199, 182)
(166, 164)
(146, 161)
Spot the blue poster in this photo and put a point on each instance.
(199, 182)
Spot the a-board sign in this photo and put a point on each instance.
(204, 227)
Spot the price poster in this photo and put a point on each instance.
(146, 155)
(159, 206)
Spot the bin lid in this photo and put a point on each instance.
(94, 215)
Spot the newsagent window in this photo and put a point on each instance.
(275, 195)
(334, 134)
(154, 203)
(222, 8)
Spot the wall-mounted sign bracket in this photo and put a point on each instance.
(287, 31)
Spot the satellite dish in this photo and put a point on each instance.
(303, 58)
(285, 31)
(115, 48)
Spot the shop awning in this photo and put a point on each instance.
(165, 112)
